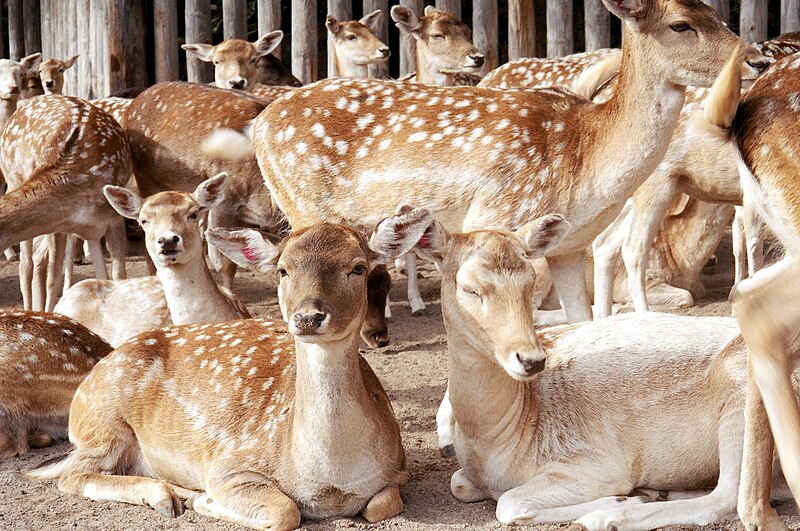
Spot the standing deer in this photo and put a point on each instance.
(183, 292)
(51, 73)
(355, 46)
(481, 158)
(43, 358)
(299, 424)
(57, 153)
(764, 130)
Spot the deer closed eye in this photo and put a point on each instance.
(680, 27)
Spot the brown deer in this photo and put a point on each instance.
(355, 46)
(57, 153)
(183, 292)
(568, 423)
(764, 130)
(482, 158)
(43, 358)
(299, 426)
(51, 73)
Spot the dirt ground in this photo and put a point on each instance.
(412, 369)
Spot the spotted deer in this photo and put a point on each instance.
(300, 424)
(57, 153)
(479, 158)
(235, 60)
(355, 46)
(183, 291)
(764, 131)
(115, 106)
(544, 423)
(43, 358)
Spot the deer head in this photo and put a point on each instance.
(355, 44)
(13, 73)
(51, 73)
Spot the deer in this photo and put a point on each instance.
(300, 427)
(355, 46)
(183, 291)
(544, 423)
(762, 128)
(235, 60)
(56, 153)
(523, 151)
(51, 73)
(43, 358)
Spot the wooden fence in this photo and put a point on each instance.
(115, 37)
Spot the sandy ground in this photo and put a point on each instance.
(412, 369)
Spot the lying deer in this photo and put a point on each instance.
(183, 291)
(57, 153)
(547, 423)
(485, 158)
(299, 424)
(43, 358)
(764, 131)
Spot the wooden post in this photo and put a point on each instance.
(753, 20)
(234, 19)
(451, 6)
(597, 25)
(559, 28)
(380, 70)
(521, 29)
(304, 40)
(342, 10)
(83, 67)
(166, 39)
(33, 26)
(16, 30)
(269, 19)
(722, 7)
(790, 15)
(198, 31)
(70, 46)
(408, 46)
(484, 31)
(115, 37)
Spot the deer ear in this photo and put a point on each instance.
(631, 10)
(204, 52)
(397, 235)
(126, 202)
(211, 192)
(69, 63)
(542, 235)
(431, 10)
(332, 23)
(246, 248)
(268, 42)
(30, 63)
(406, 20)
(434, 243)
(372, 19)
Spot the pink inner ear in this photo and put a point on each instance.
(425, 241)
(619, 4)
(250, 253)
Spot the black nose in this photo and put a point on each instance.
(759, 65)
(478, 59)
(236, 85)
(309, 322)
(531, 366)
(169, 244)
(13, 89)
(386, 52)
(49, 84)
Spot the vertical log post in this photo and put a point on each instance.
(114, 37)
(521, 29)
(234, 19)
(559, 28)
(269, 19)
(198, 31)
(484, 31)
(790, 15)
(408, 46)
(597, 25)
(166, 39)
(379, 70)
(342, 10)
(451, 6)
(83, 67)
(33, 26)
(753, 20)
(16, 30)
(304, 40)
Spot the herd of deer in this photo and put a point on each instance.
(186, 402)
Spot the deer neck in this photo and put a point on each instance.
(430, 75)
(7, 108)
(349, 69)
(191, 293)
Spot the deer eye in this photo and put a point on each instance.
(680, 27)
(282, 272)
(437, 36)
(359, 270)
(193, 215)
(351, 37)
(143, 222)
(470, 291)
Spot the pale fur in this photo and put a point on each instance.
(355, 46)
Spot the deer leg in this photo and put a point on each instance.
(606, 249)
(96, 256)
(155, 493)
(117, 244)
(26, 273)
(414, 296)
(39, 284)
(56, 244)
(462, 488)
(754, 237)
(69, 263)
(242, 500)
(386, 504)
(10, 254)
(445, 425)
(739, 245)
(569, 278)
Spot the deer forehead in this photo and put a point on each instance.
(165, 205)
(235, 50)
(488, 254)
(331, 246)
(444, 23)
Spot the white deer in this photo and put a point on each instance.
(299, 424)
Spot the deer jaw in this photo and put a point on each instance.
(356, 46)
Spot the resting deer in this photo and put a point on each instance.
(56, 153)
(299, 425)
(547, 423)
(764, 130)
(183, 292)
(355, 46)
(43, 358)
(485, 158)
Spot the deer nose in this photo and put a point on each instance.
(169, 243)
(309, 321)
(385, 51)
(13, 89)
(530, 367)
(237, 84)
(478, 59)
(49, 84)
